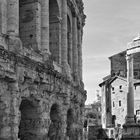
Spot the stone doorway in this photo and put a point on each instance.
(30, 123)
(56, 123)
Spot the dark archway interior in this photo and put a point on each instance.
(55, 113)
(70, 122)
(30, 120)
(56, 123)
(54, 30)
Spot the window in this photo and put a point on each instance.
(119, 103)
(113, 104)
(121, 88)
(113, 119)
(113, 90)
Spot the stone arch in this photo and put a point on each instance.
(70, 123)
(54, 30)
(56, 123)
(31, 122)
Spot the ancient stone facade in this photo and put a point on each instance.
(42, 95)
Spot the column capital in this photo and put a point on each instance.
(129, 57)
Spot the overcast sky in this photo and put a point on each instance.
(110, 25)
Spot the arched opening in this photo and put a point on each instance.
(29, 24)
(70, 124)
(30, 123)
(69, 41)
(54, 30)
(56, 123)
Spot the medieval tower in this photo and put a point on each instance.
(42, 94)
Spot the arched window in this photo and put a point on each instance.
(29, 24)
(54, 30)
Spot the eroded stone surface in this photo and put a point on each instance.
(40, 100)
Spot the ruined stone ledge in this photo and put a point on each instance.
(12, 61)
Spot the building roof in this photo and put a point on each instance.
(111, 79)
(120, 53)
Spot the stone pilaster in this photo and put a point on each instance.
(130, 94)
(45, 28)
(14, 107)
(3, 22)
(3, 16)
(13, 17)
(80, 53)
(64, 45)
(75, 50)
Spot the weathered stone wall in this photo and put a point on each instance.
(40, 99)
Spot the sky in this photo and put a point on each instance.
(110, 26)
